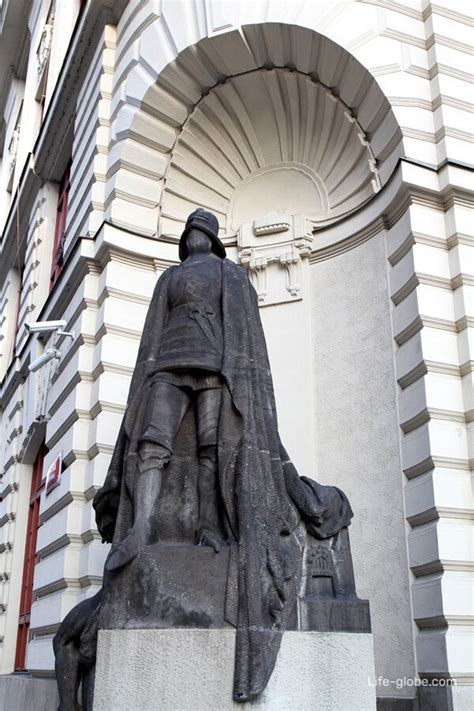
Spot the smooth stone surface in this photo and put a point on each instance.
(192, 670)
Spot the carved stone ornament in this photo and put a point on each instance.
(13, 149)
(43, 53)
(44, 49)
(272, 249)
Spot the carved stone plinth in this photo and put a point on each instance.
(335, 615)
(328, 601)
(192, 670)
(168, 586)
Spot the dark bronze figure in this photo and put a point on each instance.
(187, 370)
(201, 488)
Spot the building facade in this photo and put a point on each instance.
(333, 141)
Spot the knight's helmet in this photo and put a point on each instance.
(206, 222)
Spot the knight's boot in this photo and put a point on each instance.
(152, 458)
(208, 490)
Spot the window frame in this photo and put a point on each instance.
(60, 226)
(29, 561)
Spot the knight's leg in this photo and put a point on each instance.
(208, 521)
(166, 408)
(207, 414)
(152, 459)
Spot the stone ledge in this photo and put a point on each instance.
(19, 692)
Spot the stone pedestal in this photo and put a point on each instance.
(178, 585)
(192, 670)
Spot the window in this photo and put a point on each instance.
(29, 562)
(60, 228)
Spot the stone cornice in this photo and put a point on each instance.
(433, 9)
(439, 512)
(410, 183)
(14, 31)
(439, 566)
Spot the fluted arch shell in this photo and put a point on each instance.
(259, 118)
(268, 139)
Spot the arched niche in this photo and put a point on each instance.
(279, 109)
(264, 140)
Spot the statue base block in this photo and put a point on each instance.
(192, 670)
(169, 585)
(334, 615)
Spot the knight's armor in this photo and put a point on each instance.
(192, 336)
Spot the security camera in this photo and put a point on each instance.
(44, 326)
(49, 354)
(49, 327)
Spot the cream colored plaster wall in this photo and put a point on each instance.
(430, 286)
(357, 440)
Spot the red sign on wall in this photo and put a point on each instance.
(53, 475)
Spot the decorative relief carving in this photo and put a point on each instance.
(44, 49)
(290, 261)
(263, 227)
(13, 150)
(275, 262)
(258, 267)
(319, 562)
(43, 52)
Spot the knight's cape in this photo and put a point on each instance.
(264, 498)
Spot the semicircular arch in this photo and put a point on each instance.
(236, 107)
